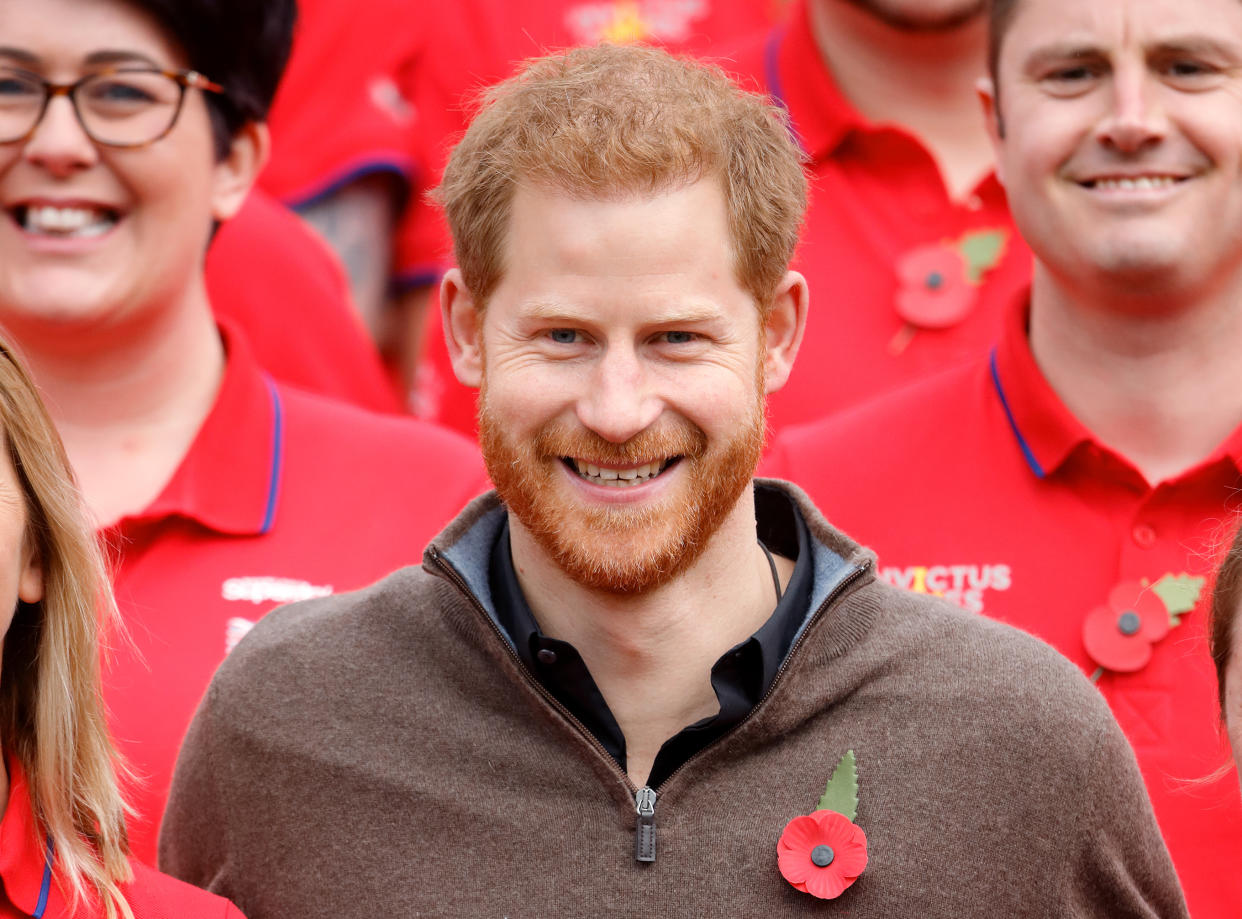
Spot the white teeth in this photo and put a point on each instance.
(1141, 183)
(66, 221)
(617, 478)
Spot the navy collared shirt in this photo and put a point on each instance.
(739, 678)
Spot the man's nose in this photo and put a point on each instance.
(59, 143)
(1136, 117)
(620, 401)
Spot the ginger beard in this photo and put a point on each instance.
(616, 548)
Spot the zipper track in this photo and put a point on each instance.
(456, 579)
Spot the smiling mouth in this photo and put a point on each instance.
(616, 477)
(1133, 183)
(69, 222)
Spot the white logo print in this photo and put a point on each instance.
(276, 590)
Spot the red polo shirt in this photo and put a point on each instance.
(343, 110)
(31, 891)
(282, 496)
(980, 485)
(272, 275)
(877, 202)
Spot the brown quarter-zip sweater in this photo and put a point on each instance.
(385, 753)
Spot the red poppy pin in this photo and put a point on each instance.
(939, 282)
(824, 852)
(1119, 635)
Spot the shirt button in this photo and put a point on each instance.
(546, 656)
(1144, 536)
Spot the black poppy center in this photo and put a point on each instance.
(822, 856)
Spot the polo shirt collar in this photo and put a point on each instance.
(797, 77)
(1045, 430)
(229, 480)
(25, 851)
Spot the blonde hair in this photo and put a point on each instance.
(615, 120)
(51, 714)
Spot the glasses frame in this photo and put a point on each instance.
(185, 79)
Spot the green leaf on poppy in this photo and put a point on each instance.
(982, 251)
(841, 795)
(1180, 593)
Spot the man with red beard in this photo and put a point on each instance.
(622, 683)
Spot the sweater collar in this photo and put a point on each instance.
(466, 546)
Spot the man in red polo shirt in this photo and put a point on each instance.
(1076, 482)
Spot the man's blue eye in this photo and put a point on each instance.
(563, 336)
(679, 338)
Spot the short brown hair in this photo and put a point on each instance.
(614, 120)
(1000, 17)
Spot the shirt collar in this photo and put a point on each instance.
(800, 81)
(229, 480)
(1044, 429)
(25, 851)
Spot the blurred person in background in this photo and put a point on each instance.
(128, 132)
(1073, 481)
(63, 843)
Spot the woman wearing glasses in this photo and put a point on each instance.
(63, 848)
(128, 132)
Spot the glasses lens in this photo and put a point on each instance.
(21, 100)
(128, 107)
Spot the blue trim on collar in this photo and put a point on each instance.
(772, 74)
(278, 436)
(1013, 424)
(46, 887)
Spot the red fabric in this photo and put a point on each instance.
(351, 496)
(876, 198)
(474, 43)
(23, 853)
(270, 274)
(945, 487)
(342, 110)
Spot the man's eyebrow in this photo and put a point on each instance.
(1060, 52)
(547, 311)
(1203, 45)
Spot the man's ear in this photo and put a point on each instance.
(463, 328)
(985, 89)
(783, 329)
(237, 171)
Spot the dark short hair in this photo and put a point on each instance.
(241, 44)
(1000, 16)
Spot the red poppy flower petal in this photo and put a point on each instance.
(936, 309)
(802, 833)
(827, 884)
(851, 860)
(1152, 613)
(796, 866)
(1114, 651)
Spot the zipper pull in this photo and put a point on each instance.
(645, 832)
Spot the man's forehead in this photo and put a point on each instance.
(1074, 28)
